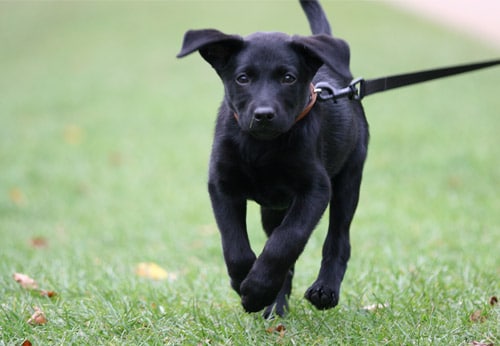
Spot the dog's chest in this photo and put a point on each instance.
(270, 186)
(271, 175)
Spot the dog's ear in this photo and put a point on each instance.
(324, 49)
(213, 45)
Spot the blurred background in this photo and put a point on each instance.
(476, 19)
(105, 138)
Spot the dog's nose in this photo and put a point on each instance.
(264, 114)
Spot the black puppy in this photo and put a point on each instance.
(274, 145)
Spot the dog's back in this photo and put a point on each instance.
(342, 116)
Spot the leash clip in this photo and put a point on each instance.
(325, 91)
(358, 93)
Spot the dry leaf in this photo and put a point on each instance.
(493, 301)
(375, 307)
(38, 317)
(25, 281)
(38, 242)
(73, 134)
(477, 316)
(153, 271)
(49, 294)
(17, 196)
(455, 182)
(481, 343)
(280, 328)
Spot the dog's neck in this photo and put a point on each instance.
(312, 101)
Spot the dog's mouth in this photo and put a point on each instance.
(262, 130)
(262, 125)
(264, 134)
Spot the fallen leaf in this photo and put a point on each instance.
(493, 301)
(375, 307)
(17, 196)
(280, 328)
(73, 134)
(153, 271)
(25, 281)
(481, 343)
(49, 294)
(477, 316)
(38, 317)
(455, 182)
(38, 242)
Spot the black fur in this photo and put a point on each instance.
(293, 170)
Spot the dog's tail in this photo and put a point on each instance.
(316, 17)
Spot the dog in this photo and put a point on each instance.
(275, 145)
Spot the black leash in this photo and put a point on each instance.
(360, 88)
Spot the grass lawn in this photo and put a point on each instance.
(104, 143)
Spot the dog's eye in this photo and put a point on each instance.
(288, 79)
(242, 79)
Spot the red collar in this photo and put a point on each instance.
(312, 101)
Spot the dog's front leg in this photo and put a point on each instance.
(324, 292)
(230, 214)
(285, 244)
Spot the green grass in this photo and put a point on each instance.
(104, 142)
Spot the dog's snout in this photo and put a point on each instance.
(264, 114)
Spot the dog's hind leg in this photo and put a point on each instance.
(272, 218)
(280, 305)
(324, 292)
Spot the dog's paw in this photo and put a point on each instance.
(235, 285)
(256, 294)
(322, 296)
(238, 270)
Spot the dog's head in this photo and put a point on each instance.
(267, 76)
